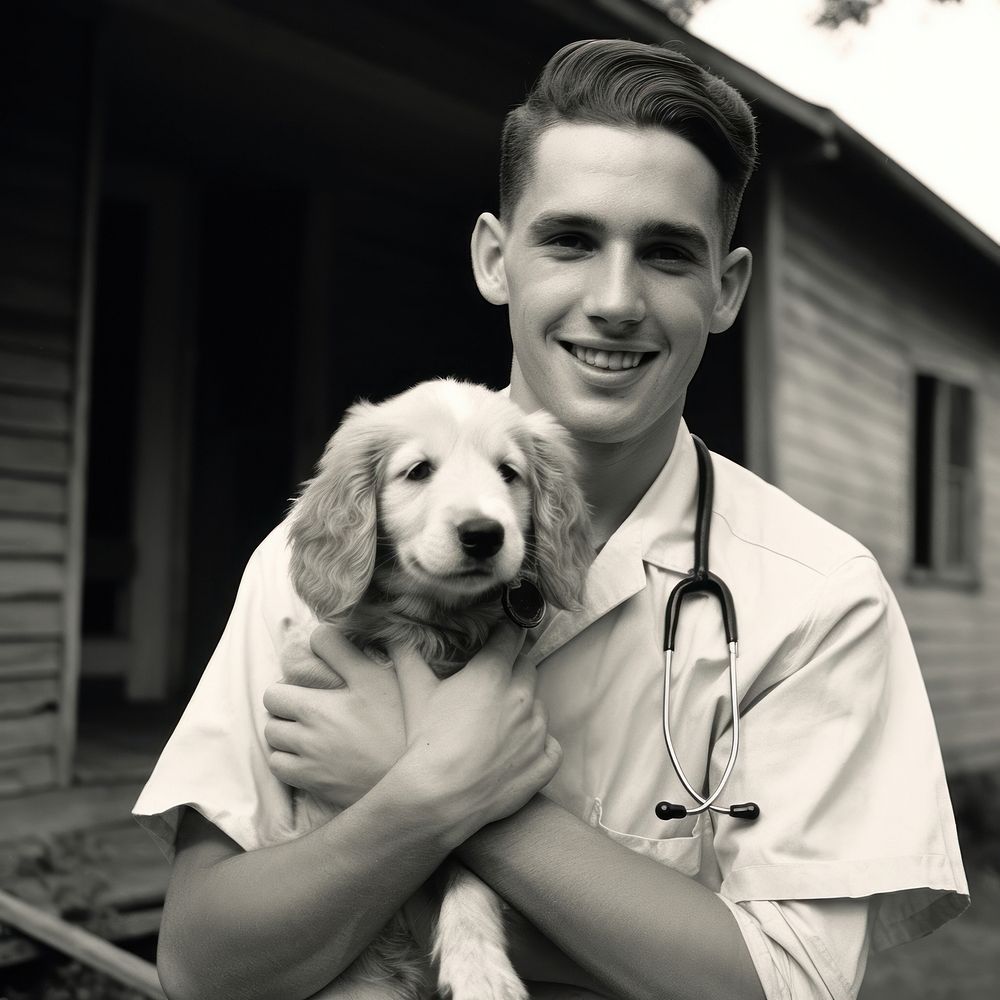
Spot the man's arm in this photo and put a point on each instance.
(285, 920)
(642, 929)
(336, 728)
(569, 880)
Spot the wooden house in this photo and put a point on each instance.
(221, 222)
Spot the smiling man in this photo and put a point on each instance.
(621, 179)
(613, 259)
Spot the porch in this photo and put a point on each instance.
(76, 852)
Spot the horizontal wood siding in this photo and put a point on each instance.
(44, 79)
(857, 310)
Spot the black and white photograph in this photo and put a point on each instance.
(499, 501)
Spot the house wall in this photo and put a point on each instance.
(867, 293)
(45, 82)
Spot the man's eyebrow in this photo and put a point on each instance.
(544, 225)
(694, 236)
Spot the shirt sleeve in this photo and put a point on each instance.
(842, 756)
(807, 949)
(216, 758)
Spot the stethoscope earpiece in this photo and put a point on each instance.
(668, 810)
(743, 810)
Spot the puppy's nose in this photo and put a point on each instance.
(481, 537)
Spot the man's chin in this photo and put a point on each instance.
(605, 427)
(591, 418)
(610, 425)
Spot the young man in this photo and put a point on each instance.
(621, 179)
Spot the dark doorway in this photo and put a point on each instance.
(241, 474)
(110, 551)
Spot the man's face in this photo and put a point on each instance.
(614, 272)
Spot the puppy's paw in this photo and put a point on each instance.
(295, 638)
(470, 946)
(299, 664)
(464, 980)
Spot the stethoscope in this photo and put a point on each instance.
(524, 605)
(701, 579)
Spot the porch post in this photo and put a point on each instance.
(77, 482)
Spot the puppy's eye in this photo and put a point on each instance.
(507, 474)
(421, 470)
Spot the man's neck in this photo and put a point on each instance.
(614, 476)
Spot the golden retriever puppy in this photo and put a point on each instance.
(430, 515)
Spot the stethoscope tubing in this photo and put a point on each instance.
(702, 580)
(705, 803)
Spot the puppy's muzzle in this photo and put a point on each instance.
(480, 537)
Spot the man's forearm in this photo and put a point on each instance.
(642, 929)
(285, 920)
(538, 961)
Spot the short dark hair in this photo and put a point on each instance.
(633, 85)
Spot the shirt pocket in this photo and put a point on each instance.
(683, 854)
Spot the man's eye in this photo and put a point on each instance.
(570, 241)
(507, 474)
(667, 254)
(421, 470)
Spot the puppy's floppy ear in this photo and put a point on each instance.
(563, 549)
(333, 523)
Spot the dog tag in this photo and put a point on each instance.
(523, 603)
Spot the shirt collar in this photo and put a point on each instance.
(666, 513)
(659, 530)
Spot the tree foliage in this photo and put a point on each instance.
(831, 13)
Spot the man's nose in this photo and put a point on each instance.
(615, 293)
(480, 537)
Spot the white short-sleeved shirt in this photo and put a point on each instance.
(856, 838)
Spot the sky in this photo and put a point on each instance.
(920, 81)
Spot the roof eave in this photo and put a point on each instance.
(823, 122)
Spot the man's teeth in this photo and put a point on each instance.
(613, 360)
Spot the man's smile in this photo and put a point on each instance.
(607, 358)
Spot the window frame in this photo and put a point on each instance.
(968, 574)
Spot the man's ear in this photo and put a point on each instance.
(487, 259)
(736, 268)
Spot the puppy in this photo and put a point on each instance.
(431, 514)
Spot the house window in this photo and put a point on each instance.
(944, 537)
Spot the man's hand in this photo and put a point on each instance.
(474, 747)
(337, 719)
(477, 743)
